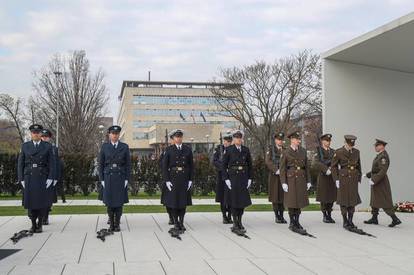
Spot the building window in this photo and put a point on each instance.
(139, 135)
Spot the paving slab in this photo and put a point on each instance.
(69, 246)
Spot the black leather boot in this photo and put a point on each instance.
(235, 226)
(325, 217)
(34, 225)
(277, 217)
(345, 219)
(225, 220)
(292, 224)
(350, 218)
(282, 219)
(170, 216)
(329, 213)
(241, 227)
(395, 221)
(117, 220)
(373, 220)
(181, 223)
(46, 218)
(39, 228)
(111, 217)
(230, 221)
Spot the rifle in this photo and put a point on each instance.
(321, 158)
(20, 235)
(221, 147)
(359, 231)
(101, 234)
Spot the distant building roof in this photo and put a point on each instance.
(175, 84)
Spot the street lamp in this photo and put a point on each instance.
(101, 127)
(57, 75)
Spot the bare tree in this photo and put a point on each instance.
(81, 96)
(270, 95)
(13, 111)
(32, 110)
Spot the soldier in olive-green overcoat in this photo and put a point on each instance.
(346, 172)
(381, 196)
(325, 189)
(295, 178)
(275, 190)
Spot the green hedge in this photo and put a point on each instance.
(80, 175)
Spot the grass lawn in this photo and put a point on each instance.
(94, 196)
(98, 209)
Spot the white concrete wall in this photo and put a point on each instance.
(371, 102)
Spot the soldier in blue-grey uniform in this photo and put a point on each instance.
(221, 187)
(114, 174)
(238, 174)
(46, 137)
(35, 172)
(178, 171)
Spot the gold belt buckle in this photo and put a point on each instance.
(240, 167)
(297, 168)
(352, 167)
(34, 165)
(179, 169)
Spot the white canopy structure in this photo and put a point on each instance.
(368, 91)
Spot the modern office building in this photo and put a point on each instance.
(368, 89)
(149, 109)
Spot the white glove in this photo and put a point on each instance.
(328, 172)
(169, 185)
(55, 182)
(364, 176)
(371, 182)
(48, 183)
(103, 184)
(278, 172)
(22, 182)
(308, 185)
(189, 184)
(337, 184)
(228, 183)
(285, 187)
(126, 183)
(249, 182)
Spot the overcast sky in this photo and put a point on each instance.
(176, 40)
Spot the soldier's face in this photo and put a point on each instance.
(114, 136)
(350, 144)
(379, 148)
(47, 139)
(326, 143)
(237, 141)
(226, 142)
(278, 142)
(35, 135)
(178, 139)
(295, 141)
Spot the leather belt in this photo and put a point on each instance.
(36, 165)
(296, 167)
(239, 168)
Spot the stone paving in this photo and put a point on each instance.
(69, 246)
